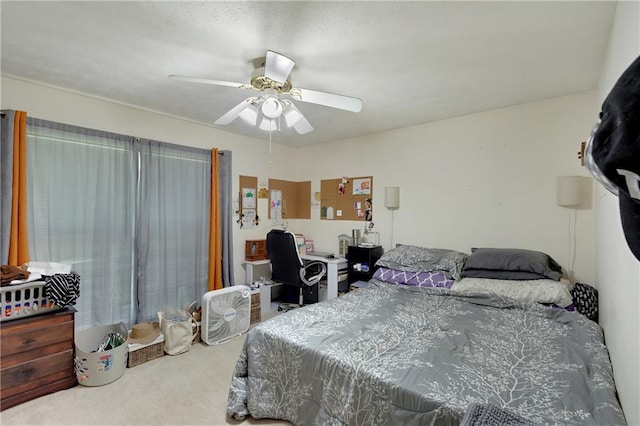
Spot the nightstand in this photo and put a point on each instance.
(361, 262)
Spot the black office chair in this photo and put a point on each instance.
(300, 280)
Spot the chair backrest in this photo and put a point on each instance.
(286, 263)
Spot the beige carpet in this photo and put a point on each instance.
(186, 389)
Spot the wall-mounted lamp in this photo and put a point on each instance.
(571, 191)
(392, 202)
(392, 197)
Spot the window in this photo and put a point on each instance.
(130, 216)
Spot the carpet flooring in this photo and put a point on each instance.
(186, 389)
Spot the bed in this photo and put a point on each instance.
(394, 353)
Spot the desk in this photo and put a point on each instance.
(250, 265)
(333, 266)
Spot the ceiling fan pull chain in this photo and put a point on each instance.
(269, 163)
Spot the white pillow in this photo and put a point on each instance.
(541, 291)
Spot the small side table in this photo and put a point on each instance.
(256, 314)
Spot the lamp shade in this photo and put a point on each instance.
(571, 191)
(250, 114)
(268, 124)
(291, 115)
(392, 197)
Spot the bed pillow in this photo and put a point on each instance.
(541, 290)
(501, 275)
(416, 279)
(585, 299)
(422, 259)
(511, 264)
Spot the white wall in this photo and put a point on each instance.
(250, 156)
(617, 271)
(487, 179)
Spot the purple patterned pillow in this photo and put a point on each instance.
(431, 279)
(393, 276)
(417, 279)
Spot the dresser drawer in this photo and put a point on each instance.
(36, 356)
(29, 334)
(34, 374)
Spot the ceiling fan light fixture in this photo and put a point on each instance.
(291, 115)
(250, 114)
(278, 67)
(271, 107)
(268, 124)
(303, 126)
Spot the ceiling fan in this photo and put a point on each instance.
(274, 98)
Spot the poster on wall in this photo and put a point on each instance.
(342, 186)
(249, 198)
(276, 207)
(362, 186)
(248, 219)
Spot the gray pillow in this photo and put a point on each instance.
(513, 264)
(502, 275)
(422, 259)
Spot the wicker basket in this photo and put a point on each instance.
(139, 354)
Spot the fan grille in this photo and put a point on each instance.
(227, 315)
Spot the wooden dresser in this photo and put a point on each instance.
(36, 357)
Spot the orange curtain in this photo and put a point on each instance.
(215, 242)
(19, 243)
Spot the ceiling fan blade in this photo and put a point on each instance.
(278, 67)
(346, 103)
(209, 81)
(303, 126)
(234, 112)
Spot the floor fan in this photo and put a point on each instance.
(226, 313)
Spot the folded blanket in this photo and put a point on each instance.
(492, 415)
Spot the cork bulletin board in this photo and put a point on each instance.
(296, 198)
(345, 198)
(247, 207)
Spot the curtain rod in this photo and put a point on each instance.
(3, 113)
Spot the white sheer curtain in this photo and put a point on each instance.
(131, 216)
(81, 197)
(173, 233)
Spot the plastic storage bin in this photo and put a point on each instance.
(100, 368)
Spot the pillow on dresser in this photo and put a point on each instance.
(511, 264)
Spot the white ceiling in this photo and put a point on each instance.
(409, 62)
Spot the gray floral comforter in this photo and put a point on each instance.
(396, 355)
